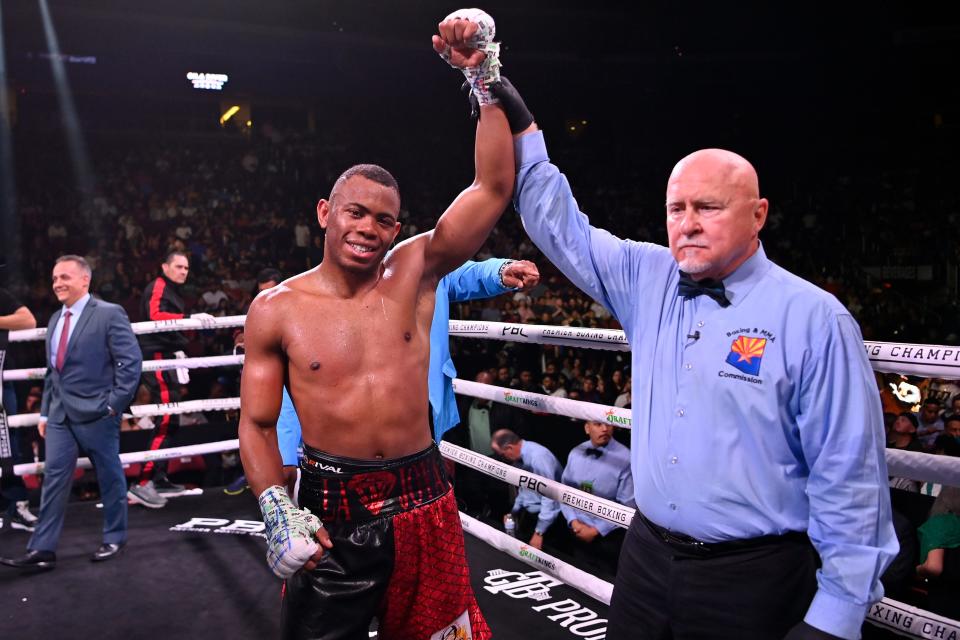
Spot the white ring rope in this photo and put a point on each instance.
(205, 362)
(589, 584)
(609, 510)
(925, 467)
(541, 403)
(151, 326)
(141, 410)
(928, 360)
(905, 464)
(610, 339)
(141, 456)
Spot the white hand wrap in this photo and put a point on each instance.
(488, 71)
(290, 532)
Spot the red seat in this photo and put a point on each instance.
(193, 463)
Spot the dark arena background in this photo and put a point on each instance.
(131, 129)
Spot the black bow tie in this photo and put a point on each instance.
(690, 288)
(596, 453)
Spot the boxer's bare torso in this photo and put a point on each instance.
(356, 366)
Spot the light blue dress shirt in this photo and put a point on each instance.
(605, 477)
(288, 432)
(75, 312)
(537, 459)
(768, 422)
(471, 281)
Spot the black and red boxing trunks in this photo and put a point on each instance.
(397, 553)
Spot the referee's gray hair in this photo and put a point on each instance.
(80, 260)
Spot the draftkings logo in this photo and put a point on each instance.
(511, 398)
(612, 418)
(530, 554)
(579, 620)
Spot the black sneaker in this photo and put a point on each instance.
(22, 519)
(238, 486)
(166, 488)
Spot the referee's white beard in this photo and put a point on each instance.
(693, 266)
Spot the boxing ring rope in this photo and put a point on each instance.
(931, 361)
(148, 365)
(922, 360)
(142, 456)
(151, 326)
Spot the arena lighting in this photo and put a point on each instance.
(10, 243)
(68, 114)
(214, 81)
(229, 113)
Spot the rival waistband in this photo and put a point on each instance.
(339, 489)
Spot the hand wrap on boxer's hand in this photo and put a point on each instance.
(290, 532)
(481, 76)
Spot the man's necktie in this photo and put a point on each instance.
(62, 345)
(596, 453)
(690, 288)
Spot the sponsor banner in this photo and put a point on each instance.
(606, 509)
(254, 528)
(927, 360)
(905, 620)
(610, 339)
(540, 403)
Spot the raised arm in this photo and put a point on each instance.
(467, 222)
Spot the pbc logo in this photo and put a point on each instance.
(532, 483)
(513, 331)
(746, 354)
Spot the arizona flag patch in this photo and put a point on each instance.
(746, 354)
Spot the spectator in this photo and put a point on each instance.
(930, 425)
(599, 466)
(535, 514)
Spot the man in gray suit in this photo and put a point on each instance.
(93, 369)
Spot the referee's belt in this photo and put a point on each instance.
(687, 544)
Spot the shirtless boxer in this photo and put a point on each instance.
(351, 340)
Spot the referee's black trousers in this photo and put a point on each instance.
(663, 592)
